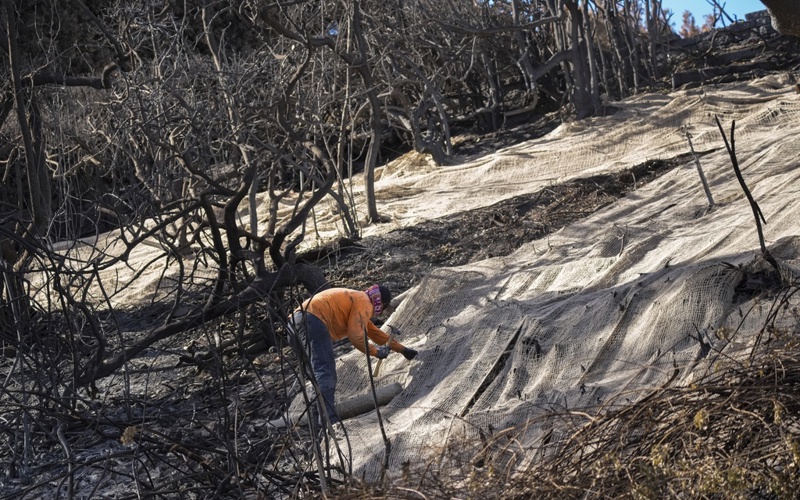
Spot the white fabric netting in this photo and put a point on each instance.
(598, 313)
(604, 310)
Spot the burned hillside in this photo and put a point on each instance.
(179, 177)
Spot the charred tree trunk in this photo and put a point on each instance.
(581, 97)
(591, 53)
(38, 178)
(621, 63)
(363, 69)
(525, 64)
(629, 23)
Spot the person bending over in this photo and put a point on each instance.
(335, 314)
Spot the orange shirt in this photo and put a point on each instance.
(347, 313)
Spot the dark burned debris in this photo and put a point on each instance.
(400, 258)
(740, 51)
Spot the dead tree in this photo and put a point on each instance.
(178, 154)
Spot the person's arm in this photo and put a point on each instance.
(380, 337)
(360, 315)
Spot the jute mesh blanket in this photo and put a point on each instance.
(651, 290)
(646, 291)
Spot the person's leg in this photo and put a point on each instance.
(316, 341)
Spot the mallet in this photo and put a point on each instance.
(394, 333)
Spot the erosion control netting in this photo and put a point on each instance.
(648, 291)
(596, 314)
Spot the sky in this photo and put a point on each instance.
(699, 8)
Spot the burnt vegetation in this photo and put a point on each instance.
(159, 128)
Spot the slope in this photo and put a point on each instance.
(606, 309)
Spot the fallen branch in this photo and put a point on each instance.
(257, 291)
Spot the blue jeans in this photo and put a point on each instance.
(311, 337)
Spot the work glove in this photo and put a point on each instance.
(409, 353)
(382, 352)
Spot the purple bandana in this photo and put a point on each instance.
(374, 294)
